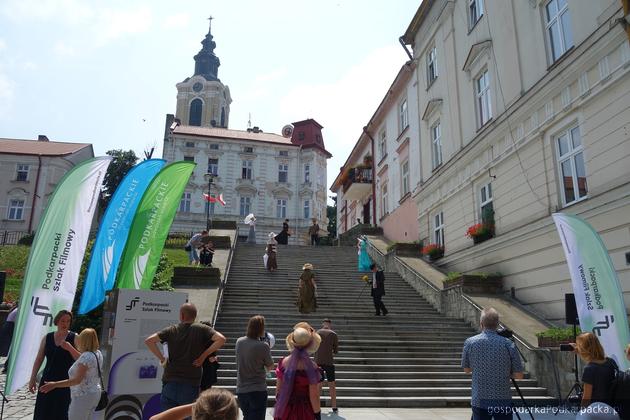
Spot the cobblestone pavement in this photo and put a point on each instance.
(20, 405)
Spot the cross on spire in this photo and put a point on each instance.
(210, 24)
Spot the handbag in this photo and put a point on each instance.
(104, 400)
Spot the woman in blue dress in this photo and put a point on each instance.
(364, 258)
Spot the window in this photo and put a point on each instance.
(558, 24)
(571, 165)
(475, 11)
(438, 229)
(213, 166)
(404, 175)
(184, 205)
(307, 209)
(22, 173)
(301, 135)
(403, 115)
(247, 169)
(482, 92)
(318, 138)
(16, 210)
(194, 117)
(382, 143)
(436, 141)
(307, 173)
(190, 144)
(189, 158)
(246, 203)
(486, 210)
(248, 150)
(284, 153)
(283, 172)
(384, 205)
(281, 208)
(432, 70)
(214, 146)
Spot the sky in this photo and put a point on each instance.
(104, 72)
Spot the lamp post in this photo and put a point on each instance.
(210, 177)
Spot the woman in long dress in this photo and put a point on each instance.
(283, 237)
(364, 259)
(272, 250)
(55, 348)
(251, 236)
(307, 290)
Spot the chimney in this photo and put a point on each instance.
(256, 129)
(42, 137)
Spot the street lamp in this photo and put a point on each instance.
(210, 177)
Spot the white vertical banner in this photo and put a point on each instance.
(598, 296)
(54, 263)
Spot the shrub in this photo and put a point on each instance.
(558, 333)
(433, 250)
(27, 239)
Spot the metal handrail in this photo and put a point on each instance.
(217, 304)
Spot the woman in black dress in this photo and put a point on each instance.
(283, 237)
(599, 371)
(54, 347)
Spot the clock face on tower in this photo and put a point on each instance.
(197, 86)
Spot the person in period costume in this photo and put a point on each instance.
(283, 237)
(364, 259)
(272, 251)
(56, 348)
(313, 232)
(297, 389)
(307, 290)
(251, 236)
(378, 290)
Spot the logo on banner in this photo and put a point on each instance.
(132, 303)
(41, 310)
(603, 325)
(140, 266)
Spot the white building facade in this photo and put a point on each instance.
(524, 110)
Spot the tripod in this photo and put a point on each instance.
(508, 334)
(576, 390)
(4, 400)
(360, 294)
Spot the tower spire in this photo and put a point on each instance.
(206, 62)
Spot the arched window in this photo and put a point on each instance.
(195, 112)
(222, 117)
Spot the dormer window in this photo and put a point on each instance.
(301, 136)
(248, 150)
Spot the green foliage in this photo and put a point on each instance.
(122, 162)
(558, 333)
(13, 259)
(27, 239)
(163, 275)
(331, 213)
(177, 240)
(452, 275)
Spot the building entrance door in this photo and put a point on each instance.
(366, 212)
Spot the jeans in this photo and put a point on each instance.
(192, 255)
(82, 407)
(177, 393)
(253, 404)
(498, 413)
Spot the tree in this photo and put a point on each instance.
(123, 161)
(331, 212)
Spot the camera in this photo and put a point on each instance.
(505, 332)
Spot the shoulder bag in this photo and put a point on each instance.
(102, 403)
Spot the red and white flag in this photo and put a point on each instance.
(211, 199)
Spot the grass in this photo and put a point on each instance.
(177, 257)
(13, 259)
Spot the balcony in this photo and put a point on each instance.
(358, 184)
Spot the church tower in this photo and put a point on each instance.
(202, 100)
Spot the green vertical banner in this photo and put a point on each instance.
(598, 295)
(54, 263)
(151, 224)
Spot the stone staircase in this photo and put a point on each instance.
(409, 358)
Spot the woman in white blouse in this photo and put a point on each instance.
(84, 382)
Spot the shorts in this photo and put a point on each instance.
(328, 373)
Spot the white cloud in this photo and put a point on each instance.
(345, 106)
(62, 49)
(113, 24)
(177, 20)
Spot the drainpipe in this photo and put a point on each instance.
(365, 130)
(30, 219)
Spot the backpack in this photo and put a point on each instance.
(620, 391)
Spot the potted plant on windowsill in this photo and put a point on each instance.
(433, 251)
(480, 232)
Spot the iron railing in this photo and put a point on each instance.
(219, 301)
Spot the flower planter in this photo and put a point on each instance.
(477, 239)
(477, 284)
(436, 256)
(406, 249)
(552, 342)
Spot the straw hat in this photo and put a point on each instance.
(303, 337)
(307, 266)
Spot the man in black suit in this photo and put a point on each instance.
(378, 290)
